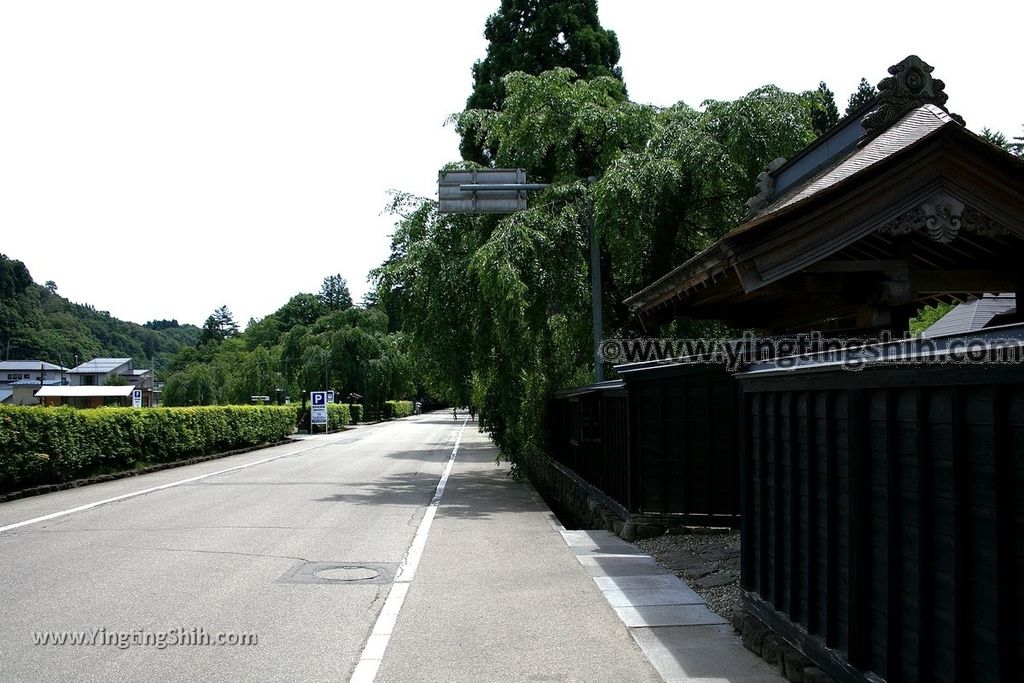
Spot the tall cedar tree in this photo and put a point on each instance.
(534, 36)
(334, 293)
(827, 114)
(865, 91)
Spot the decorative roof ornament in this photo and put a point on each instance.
(765, 189)
(909, 85)
(942, 217)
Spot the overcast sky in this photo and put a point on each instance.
(160, 159)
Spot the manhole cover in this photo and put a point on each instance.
(341, 573)
(348, 574)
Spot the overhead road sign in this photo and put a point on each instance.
(485, 190)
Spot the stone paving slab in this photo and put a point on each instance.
(668, 615)
(639, 597)
(701, 653)
(679, 634)
(620, 566)
(651, 581)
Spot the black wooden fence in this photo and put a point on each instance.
(662, 442)
(883, 518)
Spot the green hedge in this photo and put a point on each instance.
(52, 445)
(393, 409)
(356, 410)
(338, 415)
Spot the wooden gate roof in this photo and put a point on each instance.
(917, 210)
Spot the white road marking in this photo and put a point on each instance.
(373, 652)
(125, 496)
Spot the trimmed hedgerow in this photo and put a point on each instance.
(393, 409)
(356, 410)
(53, 445)
(338, 415)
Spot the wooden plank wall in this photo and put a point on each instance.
(685, 445)
(883, 521)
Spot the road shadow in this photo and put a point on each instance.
(471, 493)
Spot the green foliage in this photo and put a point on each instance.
(219, 326)
(396, 409)
(51, 445)
(301, 309)
(826, 114)
(497, 309)
(928, 316)
(334, 293)
(35, 322)
(534, 36)
(356, 411)
(864, 92)
(348, 350)
(996, 138)
(338, 416)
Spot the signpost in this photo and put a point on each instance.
(317, 409)
(330, 396)
(136, 398)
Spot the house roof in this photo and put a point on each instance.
(99, 366)
(853, 229)
(85, 392)
(973, 315)
(35, 383)
(916, 125)
(5, 395)
(28, 366)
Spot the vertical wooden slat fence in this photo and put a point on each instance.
(883, 518)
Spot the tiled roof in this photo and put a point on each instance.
(972, 315)
(27, 366)
(913, 127)
(100, 366)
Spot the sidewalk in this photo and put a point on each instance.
(503, 593)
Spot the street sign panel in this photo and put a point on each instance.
(330, 397)
(452, 198)
(318, 407)
(136, 398)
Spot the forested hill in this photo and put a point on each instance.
(37, 323)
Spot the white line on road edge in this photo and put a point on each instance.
(373, 652)
(125, 496)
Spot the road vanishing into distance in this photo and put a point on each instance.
(339, 553)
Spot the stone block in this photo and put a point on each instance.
(794, 666)
(772, 650)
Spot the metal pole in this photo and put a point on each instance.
(595, 293)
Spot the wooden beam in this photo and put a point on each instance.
(951, 281)
(858, 266)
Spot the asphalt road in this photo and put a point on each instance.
(236, 553)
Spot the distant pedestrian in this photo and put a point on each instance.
(455, 413)
(472, 412)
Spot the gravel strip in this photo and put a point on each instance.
(708, 562)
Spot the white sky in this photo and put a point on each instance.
(158, 160)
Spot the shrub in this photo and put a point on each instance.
(356, 410)
(393, 409)
(51, 445)
(338, 415)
